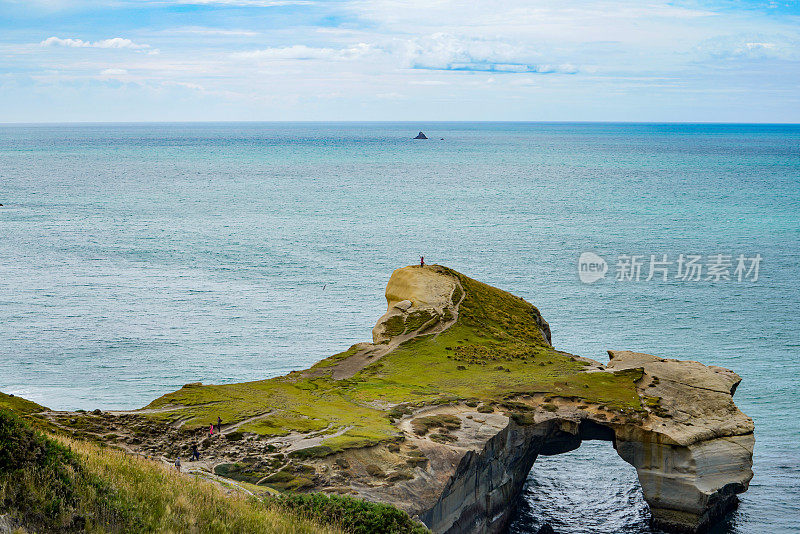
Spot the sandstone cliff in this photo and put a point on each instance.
(444, 414)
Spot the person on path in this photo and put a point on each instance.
(422, 261)
(178, 464)
(195, 453)
(219, 425)
(211, 430)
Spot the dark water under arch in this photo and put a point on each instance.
(589, 490)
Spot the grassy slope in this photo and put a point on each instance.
(62, 485)
(495, 350)
(19, 405)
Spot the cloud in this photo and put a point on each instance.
(441, 51)
(303, 52)
(115, 74)
(752, 46)
(581, 19)
(116, 42)
(434, 52)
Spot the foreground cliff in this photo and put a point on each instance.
(444, 414)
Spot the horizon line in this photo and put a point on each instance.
(64, 123)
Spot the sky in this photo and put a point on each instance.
(326, 60)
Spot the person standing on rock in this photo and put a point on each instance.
(422, 261)
(219, 425)
(211, 430)
(195, 453)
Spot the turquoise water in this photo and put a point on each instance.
(137, 258)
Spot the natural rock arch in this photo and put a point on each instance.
(687, 487)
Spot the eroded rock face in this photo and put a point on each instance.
(417, 299)
(692, 450)
(695, 451)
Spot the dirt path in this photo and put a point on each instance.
(304, 443)
(351, 365)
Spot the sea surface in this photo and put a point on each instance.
(135, 258)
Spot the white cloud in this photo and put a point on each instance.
(750, 46)
(303, 52)
(581, 19)
(390, 96)
(116, 42)
(441, 51)
(438, 51)
(185, 85)
(115, 74)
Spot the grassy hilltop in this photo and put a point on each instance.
(495, 349)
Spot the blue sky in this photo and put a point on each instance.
(617, 60)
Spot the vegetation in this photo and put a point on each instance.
(422, 425)
(354, 515)
(495, 350)
(62, 485)
(19, 405)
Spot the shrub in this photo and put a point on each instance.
(442, 438)
(45, 488)
(318, 451)
(523, 418)
(354, 515)
(422, 425)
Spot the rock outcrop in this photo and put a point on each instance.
(418, 299)
(421, 136)
(692, 451)
(446, 412)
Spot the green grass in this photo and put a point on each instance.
(495, 350)
(19, 405)
(282, 425)
(62, 485)
(306, 405)
(493, 327)
(355, 515)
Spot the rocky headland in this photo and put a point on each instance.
(445, 412)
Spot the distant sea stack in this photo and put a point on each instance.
(421, 136)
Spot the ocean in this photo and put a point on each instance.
(135, 258)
